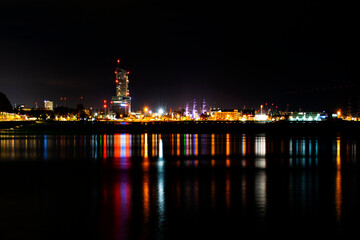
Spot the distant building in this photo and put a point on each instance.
(224, 114)
(306, 116)
(49, 105)
(121, 103)
(248, 112)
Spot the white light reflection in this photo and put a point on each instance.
(123, 146)
(161, 189)
(160, 149)
(260, 152)
(260, 192)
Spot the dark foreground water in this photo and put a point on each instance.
(178, 186)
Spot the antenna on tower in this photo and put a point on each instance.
(194, 110)
(187, 112)
(203, 110)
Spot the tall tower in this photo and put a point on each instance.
(194, 111)
(203, 110)
(187, 109)
(121, 103)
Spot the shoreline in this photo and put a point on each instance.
(279, 127)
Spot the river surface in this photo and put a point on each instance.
(178, 186)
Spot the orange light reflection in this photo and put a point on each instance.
(153, 145)
(227, 144)
(146, 193)
(338, 188)
(227, 191)
(146, 145)
(178, 144)
(117, 146)
(212, 144)
(172, 144)
(128, 146)
(196, 144)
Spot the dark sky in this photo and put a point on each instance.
(231, 53)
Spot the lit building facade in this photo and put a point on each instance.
(306, 116)
(224, 114)
(121, 103)
(49, 105)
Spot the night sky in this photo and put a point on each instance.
(231, 53)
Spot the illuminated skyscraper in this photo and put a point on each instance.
(121, 103)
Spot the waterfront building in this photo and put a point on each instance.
(224, 114)
(306, 116)
(248, 113)
(49, 105)
(121, 103)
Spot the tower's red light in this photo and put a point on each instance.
(118, 61)
(115, 72)
(105, 106)
(117, 81)
(104, 101)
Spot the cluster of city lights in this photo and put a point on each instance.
(106, 114)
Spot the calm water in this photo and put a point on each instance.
(178, 186)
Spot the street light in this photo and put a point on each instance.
(339, 113)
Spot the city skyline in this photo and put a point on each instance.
(299, 54)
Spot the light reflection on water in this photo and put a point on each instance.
(255, 151)
(162, 178)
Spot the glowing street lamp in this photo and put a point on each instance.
(146, 109)
(161, 111)
(339, 113)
